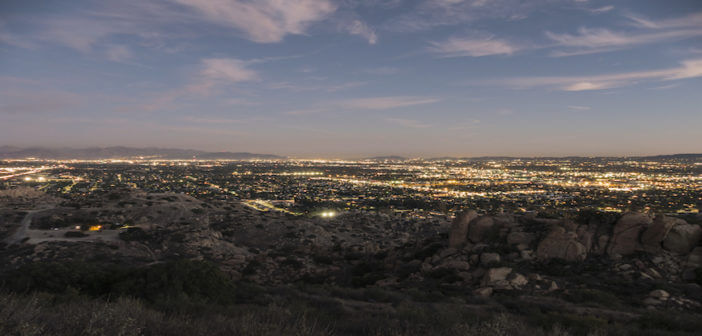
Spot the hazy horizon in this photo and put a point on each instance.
(331, 78)
(362, 155)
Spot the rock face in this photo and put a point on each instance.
(625, 236)
(478, 228)
(563, 245)
(655, 234)
(459, 228)
(694, 260)
(516, 238)
(682, 238)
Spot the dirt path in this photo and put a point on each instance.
(21, 232)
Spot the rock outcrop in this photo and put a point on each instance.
(654, 235)
(682, 238)
(479, 228)
(459, 228)
(625, 235)
(563, 245)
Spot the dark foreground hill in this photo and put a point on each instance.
(183, 266)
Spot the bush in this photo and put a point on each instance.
(593, 296)
(133, 234)
(183, 280)
(74, 234)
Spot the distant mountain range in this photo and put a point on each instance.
(387, 158)
(120, 152)
(691, 156)
(96, 153)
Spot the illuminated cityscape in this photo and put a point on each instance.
(421, 187)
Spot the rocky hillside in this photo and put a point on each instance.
(613, 268)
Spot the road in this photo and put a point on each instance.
(21, 232)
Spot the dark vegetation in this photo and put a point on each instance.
(195, 298)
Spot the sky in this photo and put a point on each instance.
(352, 78)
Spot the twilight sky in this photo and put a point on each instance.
(350, 78)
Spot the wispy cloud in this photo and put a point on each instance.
(302, 112)
(579, 107)
(690, 20)
(465, 125)
(23, 102)
(409, 123)
(305, 87)
(221, 71)
(382, 71)
(263, 21)
(118, 53)
(213, 74)
(505, 112)
(373, 103)
(473, 47)
(602, 9)
(385, 103)
(359, 28)
(200, 120)
(432, 13)
(597, 40)
(687, 69)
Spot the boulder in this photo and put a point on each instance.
(496, 275)
(459, 228)
(659, 294)
(517, 238)
(625, 235)
(489, 258)
(694, 260)
(560, 244)
(585, 236)
(479, 227)
(483, 291)
(455, 264)
(518, 280)
(652, 237)
(683, 238)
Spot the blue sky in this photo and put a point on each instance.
(346, 78)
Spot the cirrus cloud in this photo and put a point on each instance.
(473, 47)
(687, 69)
(384, 103)
(263, 21)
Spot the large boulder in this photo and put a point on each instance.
(560, 244)
(495, 276)
(585, 236)
(625, 235)
(694, 260)
(459, 228)
(479, 227)
(519, 237)
(654, 235)
(683, 238)
(489, 258)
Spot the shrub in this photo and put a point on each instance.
(74, 234)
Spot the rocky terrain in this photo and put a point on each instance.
(608, 269)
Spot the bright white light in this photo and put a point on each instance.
(27, 178)
(42, 179)
(328, 214)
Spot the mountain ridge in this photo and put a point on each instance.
(123, 152)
